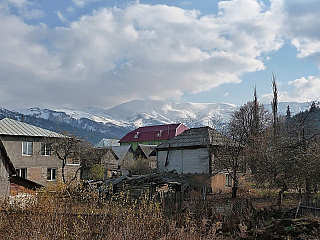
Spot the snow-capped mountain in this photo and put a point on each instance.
(119, 120)
(139, 113)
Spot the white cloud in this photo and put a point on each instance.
(303, 27)
(304, 90)
(24, 8)
(156, 51)
(82, 3)
(240, 10)
(19, 3)
(185, 3)
(61, 17)
(32, 14)
(70, 9)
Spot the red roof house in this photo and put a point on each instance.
(152, 135)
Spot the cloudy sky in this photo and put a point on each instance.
(100, 53)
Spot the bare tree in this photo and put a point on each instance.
(244, 127)
(275, 166)
(289, 156)
(247, 124)
(248, 121)
(229, 156)
(305, 130)
(274, 104)
(69, 149)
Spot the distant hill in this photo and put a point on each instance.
(309, 120)
(95, 124)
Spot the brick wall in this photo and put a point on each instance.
(35, 174)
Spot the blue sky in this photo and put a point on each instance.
(78, 53)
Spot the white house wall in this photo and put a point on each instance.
(161, 160)
(184, 160)
(176, 161)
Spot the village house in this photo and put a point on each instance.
(113, 159)
(124, 154)
(108, 142)
(6, 171)
(144, 152)
(192, 152)
(152, 135)
(105, 157)
(30, 154)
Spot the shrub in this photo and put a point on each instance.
(97, 172)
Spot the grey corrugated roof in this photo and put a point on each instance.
(15, 128)
(197, 137)
(121, 151)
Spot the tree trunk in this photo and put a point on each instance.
(308, 190)
(284, 188)
(234, 188)
(62, 171)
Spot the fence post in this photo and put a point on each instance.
(297, 210)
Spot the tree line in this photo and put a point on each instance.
(280, 151)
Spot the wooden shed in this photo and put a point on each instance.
(192, 152)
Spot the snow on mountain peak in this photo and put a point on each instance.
(137, 113)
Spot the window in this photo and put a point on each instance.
(27, 148)
(22, 172)
(51, 174)
(45, 149)
(228, 180)
(136, 135)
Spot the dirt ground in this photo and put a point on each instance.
(305, 228)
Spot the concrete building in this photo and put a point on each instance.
(6, 171)
(30, 155)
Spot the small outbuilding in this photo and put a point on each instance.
(144, 152)
(193, 152)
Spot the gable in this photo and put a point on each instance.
(122, 151)
(146, 149)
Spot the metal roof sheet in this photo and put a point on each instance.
(15, 128)
(153, 133)
(197, 137)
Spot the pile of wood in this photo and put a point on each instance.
(165, 185)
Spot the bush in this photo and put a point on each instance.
(139, 166)
(97, 172)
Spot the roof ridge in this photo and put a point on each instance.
(14, 127)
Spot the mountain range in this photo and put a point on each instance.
(95, 123)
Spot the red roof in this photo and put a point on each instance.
(152, 133)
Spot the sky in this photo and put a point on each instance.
(101, 53)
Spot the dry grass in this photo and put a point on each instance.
(78, 214)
